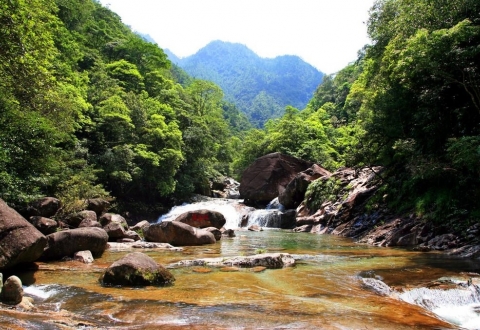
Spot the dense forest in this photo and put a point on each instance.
(260, 87)
(89, 108)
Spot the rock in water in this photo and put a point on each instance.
(136, 269)
(83, 256)
(202, 219)
(20, 241)
(12, 291)
(268, 176)
(177, 234)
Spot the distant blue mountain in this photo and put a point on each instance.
(260, 87)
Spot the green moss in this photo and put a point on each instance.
(320, 191)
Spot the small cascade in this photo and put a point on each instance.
(457, 306)
(265, 218)
(224, 206)
(270, 217)
(275, 205)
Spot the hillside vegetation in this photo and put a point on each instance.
(410, 103)
(89, 108)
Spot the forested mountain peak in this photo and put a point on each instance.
(260, 87)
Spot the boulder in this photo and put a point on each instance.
(228, 232)
(268, 176)
(98, 205)
(89, 223)
(132, 235)
(83, 256)
(112, 217)
(202, 219)
(75, 220)
(255, 227)
(294, 192)
(177, 234)
(288, 219)
(376, 286)
(20, 241)
(12, 291)
(66, 243)
(136, 269)
(44, 207)
(44, 225)
(216, 232)
(140, 225)
(114, 230)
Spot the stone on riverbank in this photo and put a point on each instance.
(20, 241)
(66, 243)
(136, 269)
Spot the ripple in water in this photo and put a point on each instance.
(457, 306)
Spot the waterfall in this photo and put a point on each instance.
(265, 218)
(232, 210)
(270, 217)
(226, 207)
(457, 306)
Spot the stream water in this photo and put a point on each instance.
(323, 290)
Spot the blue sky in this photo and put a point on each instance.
(324, 33)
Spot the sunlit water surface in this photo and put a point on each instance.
(322, 291)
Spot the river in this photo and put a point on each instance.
(322, 291)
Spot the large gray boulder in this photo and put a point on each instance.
(98, 205)
(268, 176)
(115, 230)
(107, 218)
(202, 219)
(66, 243)
(136, 269)
(75, 220)
(20, 241)
(177, 234)
(294, 192)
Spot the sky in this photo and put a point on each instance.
(325, 33)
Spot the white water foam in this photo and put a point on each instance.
(457, 306)
(224, 206)
(40, 291)
(270, 218)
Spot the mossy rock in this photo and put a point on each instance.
(136, 269)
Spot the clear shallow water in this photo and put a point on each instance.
(322, 291)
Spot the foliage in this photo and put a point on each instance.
(321, 191)
(419, 104)
(91, 109)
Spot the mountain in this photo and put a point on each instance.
(260, 87)
(171, 56)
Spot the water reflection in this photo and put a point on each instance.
(322, 291)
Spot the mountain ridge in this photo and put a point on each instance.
(260, 87)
